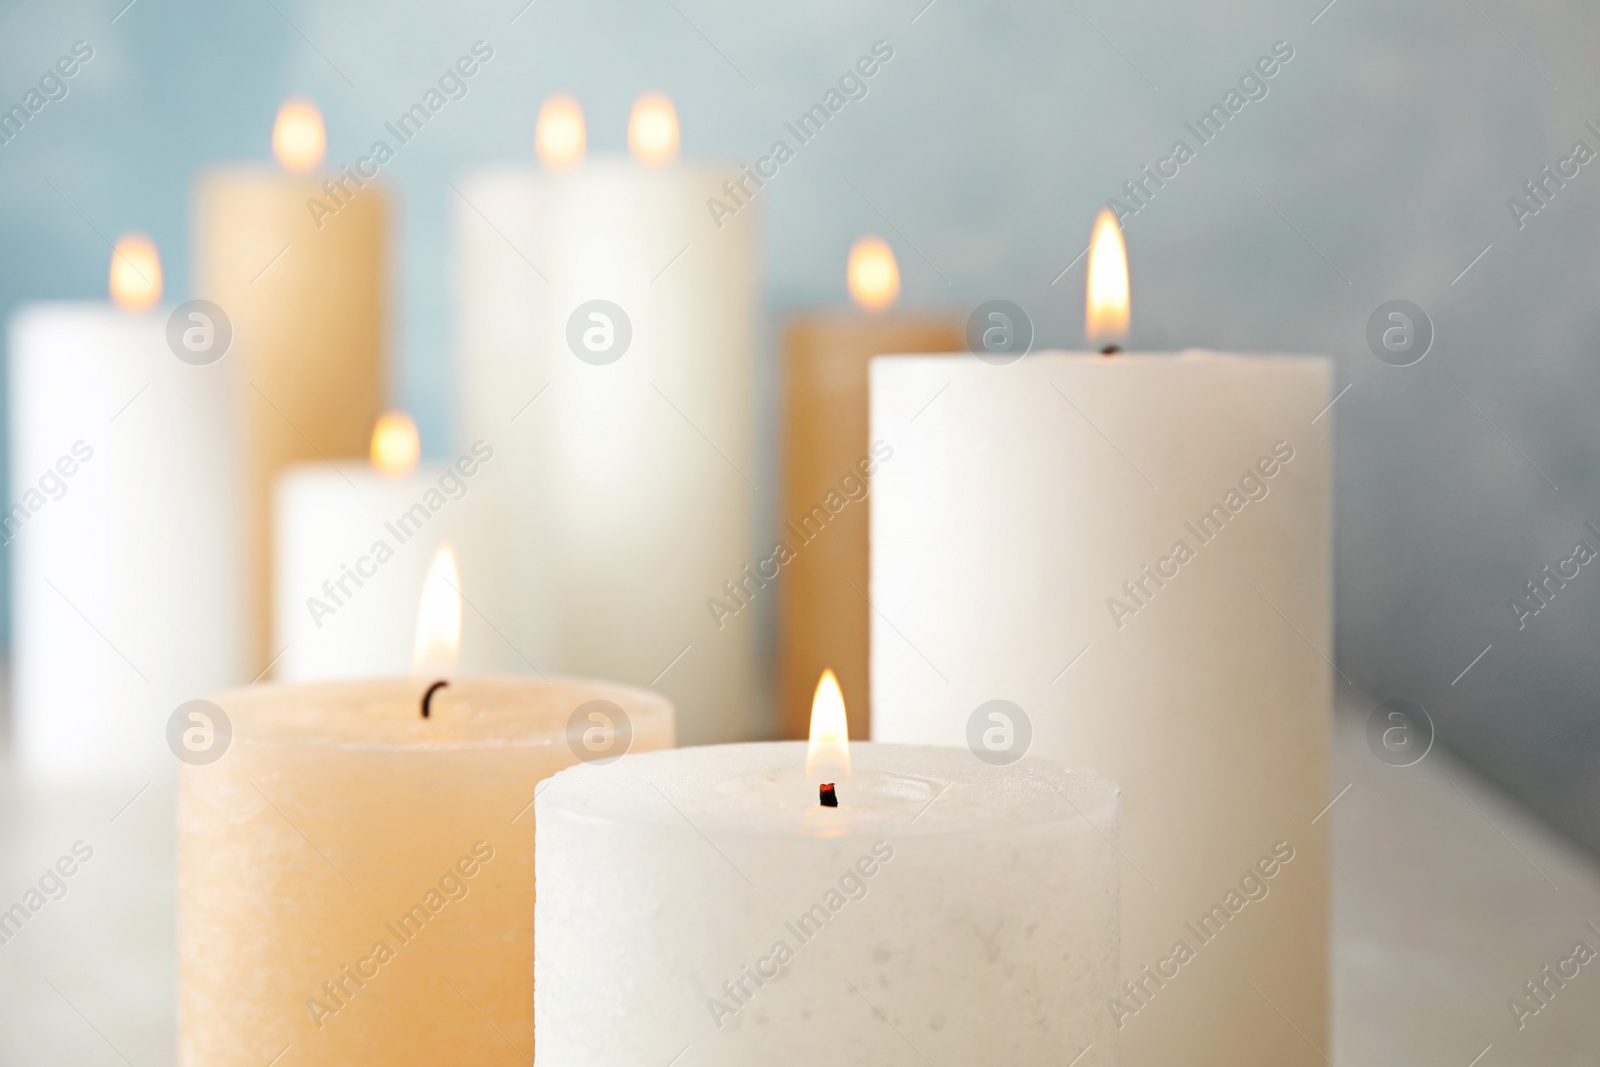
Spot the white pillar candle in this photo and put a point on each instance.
(702, 900)
(630, 480)
(352, 546)
(123, 522)
(1136, 551)
(355, 882)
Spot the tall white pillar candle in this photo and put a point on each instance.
(629, 458)
(124, 527)
(947, 911)
(1135, 551)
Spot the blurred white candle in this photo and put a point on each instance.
(352, 546)
(702, 898)
(1022, 551)
(123, 519)
(628, 478)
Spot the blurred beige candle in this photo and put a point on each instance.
(823, 614)
(355, 881)
(296, 262)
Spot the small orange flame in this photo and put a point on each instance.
(872, 273)
(1106, 321)
(396, 445)
(135, 272)
(653, 130)
(828, 753)
(438, 646)
(560, 137)
(298, 137)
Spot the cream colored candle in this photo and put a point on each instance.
(823, 621)
(355, 882)
(296, 262)
(1135, 551)
(608, 336)
(702, 904)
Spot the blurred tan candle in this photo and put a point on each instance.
(822, 620)
(296, 262)
(355, 881)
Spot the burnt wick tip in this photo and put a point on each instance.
(826, 794)
(427, 698)
(1110, 350)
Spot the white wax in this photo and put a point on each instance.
(629, 484)
(702, 899)
(124, 525)
(352, 547)
(1013, 510)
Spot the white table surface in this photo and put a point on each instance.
(1447, 899)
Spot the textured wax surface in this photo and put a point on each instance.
(980, 923)
(339, 821)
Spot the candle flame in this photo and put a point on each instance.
(395, 444)
(653, 130)
(561, 137)
(438, 646)
(298, 137)
(872, 273)
(828, 754)
(1106, 322)
(135, 272)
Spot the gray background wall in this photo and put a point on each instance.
(1378, 167)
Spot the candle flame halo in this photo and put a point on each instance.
(1106, 320)
(872, 273)
(396, 446)
(653, 130)
(299, 139)
(135, 272)
(828, 753)
(561, 138)
(438, 646)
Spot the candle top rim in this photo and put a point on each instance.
(919, 790)
(481, 711)
(1120, 359)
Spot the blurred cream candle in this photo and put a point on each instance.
(608, 337)
(123, 521)
(296, 261)
(355, 880)
(1176, 639)
(704, 900)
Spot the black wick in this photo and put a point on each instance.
(827, 795)
(427, 698)
(1110, 350)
